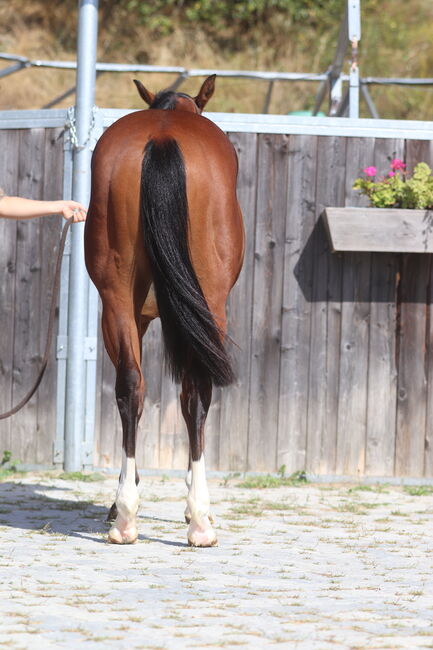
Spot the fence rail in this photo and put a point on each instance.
(18, 63)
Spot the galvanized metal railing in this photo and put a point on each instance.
(326, 80)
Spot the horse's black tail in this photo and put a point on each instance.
(193, 341)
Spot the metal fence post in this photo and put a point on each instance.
(354, 30)
(78, 317)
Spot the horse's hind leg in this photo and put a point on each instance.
(122, 341)
(195, 401)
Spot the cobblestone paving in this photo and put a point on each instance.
(314, 566)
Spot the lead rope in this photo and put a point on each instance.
(56, 285)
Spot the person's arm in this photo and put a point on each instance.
(15, 207)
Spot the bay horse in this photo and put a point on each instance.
(164, 238)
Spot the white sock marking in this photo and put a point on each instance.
(126, 499)
(198, 497)
(200, 531)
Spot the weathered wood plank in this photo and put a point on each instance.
(174, 445)
(412, 381)
(109, 427)
(353, 372)
(382, 370)
(412, 384)
(296, 307)
(380, 229)
(325, 314)
(234, 419)
(26, 344)
(49, 242)
(212, 431)
(266, 317)
(424, 152)
(9, 142)
(97, 434)
(355, 313)
(149, 426)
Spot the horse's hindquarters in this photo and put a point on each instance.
(164, 237)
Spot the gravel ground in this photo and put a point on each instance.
(309, 566)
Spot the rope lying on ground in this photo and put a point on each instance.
(56, 285)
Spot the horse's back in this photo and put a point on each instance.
(196, 135)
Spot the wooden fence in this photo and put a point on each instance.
(31, 165)
(333, 355)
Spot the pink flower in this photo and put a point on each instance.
(391, 174)
(396, 164)
(370, 171)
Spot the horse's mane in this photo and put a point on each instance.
(166, 100)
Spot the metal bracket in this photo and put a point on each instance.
(58, 452)
(62, 347)
(89, 352)
(90, 348)
(87, 453)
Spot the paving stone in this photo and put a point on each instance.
(303, 567)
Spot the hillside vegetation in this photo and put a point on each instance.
(283, 35)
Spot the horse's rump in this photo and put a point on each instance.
(193, 341)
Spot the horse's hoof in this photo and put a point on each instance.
(128, 536)
(201, 535)
(202, 543)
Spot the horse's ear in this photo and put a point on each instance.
(206, 92)
(144, 93)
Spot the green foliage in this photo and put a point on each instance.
(261, 482)
(8, 466)
(80, 476)
(369, 488)
(418, 490)
(163, 15)
(230, 477)
(419, 188)
(7, 455)
(397, 189)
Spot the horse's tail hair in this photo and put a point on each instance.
(193, 341)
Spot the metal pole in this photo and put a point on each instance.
(335, 71)
(369, 101)
(268, 97)
(354, 30)
(75, 415)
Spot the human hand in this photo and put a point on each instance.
(72, 209)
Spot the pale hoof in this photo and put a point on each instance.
(202, 535)
(127, 536)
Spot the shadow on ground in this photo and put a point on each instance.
(27, 506)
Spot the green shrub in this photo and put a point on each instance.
(162, 15)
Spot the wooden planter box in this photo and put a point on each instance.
(380, 230)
